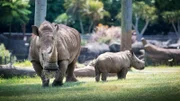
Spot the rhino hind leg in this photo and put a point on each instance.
(97, 74)
(38, 69)
(70, 72)
(122, 74)
(104, 76)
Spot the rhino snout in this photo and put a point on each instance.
(51, 66)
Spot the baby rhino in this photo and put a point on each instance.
(119, 63)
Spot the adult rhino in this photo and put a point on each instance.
(54, 48)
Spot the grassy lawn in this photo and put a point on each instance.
(151, 84)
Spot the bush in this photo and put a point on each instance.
(5, 55)
(105, 34)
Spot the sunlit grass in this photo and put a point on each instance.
(146, 85)
(25, 63)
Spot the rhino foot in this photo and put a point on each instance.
(71, 79)
(45, 83)
(57, 83)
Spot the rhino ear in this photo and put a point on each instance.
(57, 27)
(35, 30)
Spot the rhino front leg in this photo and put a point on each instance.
(122, 74)
(38, 69)
(58, 81)
(70, 73)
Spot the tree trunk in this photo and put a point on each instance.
(158, 55)
(40, 11)
(175, 29)
(90, 27)
(9, 30)
(126, 24)
(7, 71)
(178, 28)
(81, 25)
(139, 36)
(23, 29)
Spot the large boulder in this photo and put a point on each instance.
(137, 47)
(114, 47)
(91, 51)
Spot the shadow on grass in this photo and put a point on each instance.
(35, 89)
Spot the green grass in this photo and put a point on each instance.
(25, 63)
(151, 84)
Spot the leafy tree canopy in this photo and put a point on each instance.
(14, 11)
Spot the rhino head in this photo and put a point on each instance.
(48, 54)
(136, 62)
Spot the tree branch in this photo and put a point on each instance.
(175, 29)
(178, 27)
(145, 27)
(137, 21)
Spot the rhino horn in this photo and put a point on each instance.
(53, 56)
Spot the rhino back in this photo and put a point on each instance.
(112, 62)
(68, 43)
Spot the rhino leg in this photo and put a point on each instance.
(38, 68)
(70, 73)
(97, 75)
(122, 73)
(104, 76)
(58, 81)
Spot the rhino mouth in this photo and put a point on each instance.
(51, 67)
(49, 73)
(141, 68)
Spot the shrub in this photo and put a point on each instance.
(5, 55)
(105, 34)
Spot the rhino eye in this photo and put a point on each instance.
(52, 38)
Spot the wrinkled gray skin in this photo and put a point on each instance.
(119, 63)
(54, 48)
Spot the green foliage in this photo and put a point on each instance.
(167, 5)
(113, 7)
(144, 11)
(25, 63)
(95, 10)
(150, 84)
(74, 8)
(5, 55)
(80, 10)
(171, 16)
(3, 51)
(63, 18)
(54, 8)
(14, 11)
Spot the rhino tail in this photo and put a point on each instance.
(92, 63)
